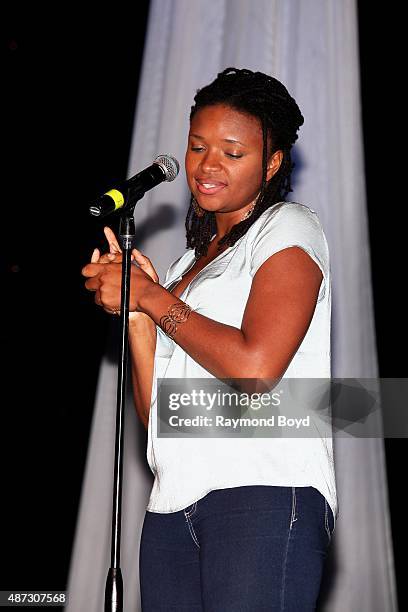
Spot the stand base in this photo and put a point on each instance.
(114, 591)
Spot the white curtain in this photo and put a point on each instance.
(312, 46)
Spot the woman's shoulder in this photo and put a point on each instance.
(288, 215)
(288, 209)
(288, 224)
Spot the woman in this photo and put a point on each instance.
(233, 524)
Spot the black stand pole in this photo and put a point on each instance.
(114, 582)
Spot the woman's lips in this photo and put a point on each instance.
(209, 187)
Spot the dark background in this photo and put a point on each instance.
(70, 100)
(383, 108)
(71, 92)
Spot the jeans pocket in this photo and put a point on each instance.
(328, 520)
(189, 511)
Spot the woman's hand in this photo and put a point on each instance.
(106, 280)
(115, 252)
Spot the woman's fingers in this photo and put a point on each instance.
(93, 284)
(111, 258)
(145, 263)
(111, 238)
(95, 256)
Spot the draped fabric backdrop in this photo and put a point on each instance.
(313, 48)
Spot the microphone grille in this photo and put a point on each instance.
(169, 164)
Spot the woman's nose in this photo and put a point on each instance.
(210, 161)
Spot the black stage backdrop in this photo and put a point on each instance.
(380, 35)
(71, 92)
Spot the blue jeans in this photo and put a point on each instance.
(252, 548)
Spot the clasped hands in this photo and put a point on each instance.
(104, 274)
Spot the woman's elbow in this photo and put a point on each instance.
(260, 374)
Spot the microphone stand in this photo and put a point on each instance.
(164, 168)
(114, 582)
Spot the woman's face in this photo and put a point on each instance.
(224, 159)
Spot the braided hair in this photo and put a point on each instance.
(268, 100)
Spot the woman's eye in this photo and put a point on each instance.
(199, 149)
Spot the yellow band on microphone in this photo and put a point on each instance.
(117, 197)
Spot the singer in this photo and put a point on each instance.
(233, 523)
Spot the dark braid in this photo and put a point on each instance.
(267, 99)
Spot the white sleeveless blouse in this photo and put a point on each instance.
(186, 469)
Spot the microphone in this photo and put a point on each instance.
(128, 193)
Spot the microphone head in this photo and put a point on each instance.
(169, 165)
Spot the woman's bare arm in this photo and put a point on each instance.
(142, 345)
(142, 331)
(277, 316)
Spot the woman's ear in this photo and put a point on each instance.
(274, 164)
